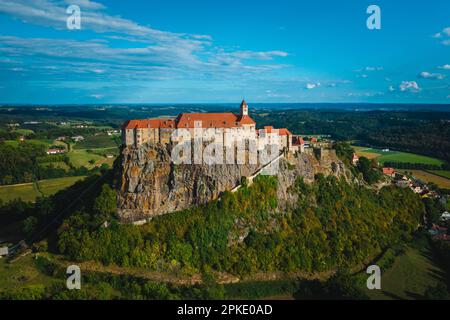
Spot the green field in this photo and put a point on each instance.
(24, 132)
(94, 142)
(396, 156)
(429, 176)
(441, 173)
(81, 157)
(24, 191)
(22, 273)
(58, 165)
(30, 191)
(46, 143)
(410, 276)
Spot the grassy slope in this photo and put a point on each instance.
(81, 157)
(425, 176)
(100, 141)
(409, 277)
(29, 191)
(395, 156)
(442, 173)
(21, 273)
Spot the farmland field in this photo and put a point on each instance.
(24, 191)
(30, 191)
(58, 165)
(15, 143)
(426, 176)
(100, 141)
(51, 186)
(395, 156)
(81, 157)
(24, 132)
(442, 173)
(22, 273)
(411, 274)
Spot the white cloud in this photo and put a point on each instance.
(310, 86)
(149, 53)
(86, 4)
(445, 67)
(268, 55)
(445, 33)
(409, 86)
(373, 68)
(96, 96)
(370, 69)
(428, 75)
(391, 88)
(365, 94)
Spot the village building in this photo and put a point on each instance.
(78, 138)
(355, 159)
(445, 216)
(227, 127)
(389, 172)
(3, 251)
(55, 151)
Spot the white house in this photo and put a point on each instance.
(3, 251)
(445, 216)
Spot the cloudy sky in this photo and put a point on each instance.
(223, 50)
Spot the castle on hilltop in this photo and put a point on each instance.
(228, 126)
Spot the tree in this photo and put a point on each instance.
(365, 167)
(438, 292)
(29, 225)
(344, 151)
(105, 205)
(343, 286)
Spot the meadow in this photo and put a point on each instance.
(30, 191)
(91, 158)
(97, 141)
(395, 156)
(409, 277)
(430, 176)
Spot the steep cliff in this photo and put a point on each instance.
(150, 185)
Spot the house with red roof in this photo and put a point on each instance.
(389, 171)
(355, 159)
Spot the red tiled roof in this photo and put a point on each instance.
(212, 120)
(209, 120)
(187, 120)
(246, 120)
(284, 132)
(388, 170)
(149, 123)
(296, 141)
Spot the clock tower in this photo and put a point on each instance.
(244, 108)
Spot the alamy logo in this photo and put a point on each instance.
(217, 146)
(374, 20)
(74, 20)
(74, 278)
(374, 280)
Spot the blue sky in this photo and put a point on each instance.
(169, 51)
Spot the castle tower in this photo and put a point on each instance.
(244, 108)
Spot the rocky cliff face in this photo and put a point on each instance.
(150, 185)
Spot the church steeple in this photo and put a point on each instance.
(244, 108)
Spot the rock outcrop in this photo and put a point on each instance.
(149, 184)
